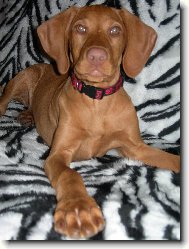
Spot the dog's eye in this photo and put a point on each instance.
(81, 29)
(115, 30)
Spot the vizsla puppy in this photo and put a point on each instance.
(74, 114)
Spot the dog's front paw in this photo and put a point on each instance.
(176, 164)
(78, 218)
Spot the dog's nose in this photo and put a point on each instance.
(96, 55)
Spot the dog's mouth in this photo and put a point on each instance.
(94, 74)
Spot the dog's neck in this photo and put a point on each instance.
(95, 92)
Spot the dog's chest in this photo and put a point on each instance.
(99, 126)
(98, 136)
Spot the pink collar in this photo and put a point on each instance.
(95, 92)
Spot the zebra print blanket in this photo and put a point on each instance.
(138, 202)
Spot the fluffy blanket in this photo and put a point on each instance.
(138, 202)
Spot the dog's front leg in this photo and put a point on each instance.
(77, 215)
(151, 156)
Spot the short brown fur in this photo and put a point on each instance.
(75, 126)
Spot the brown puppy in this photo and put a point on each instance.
(73, 118)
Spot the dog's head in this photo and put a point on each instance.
(95, 40)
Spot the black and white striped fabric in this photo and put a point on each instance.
(138, 202)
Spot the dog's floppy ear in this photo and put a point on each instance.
(53, 35)
(140, 42)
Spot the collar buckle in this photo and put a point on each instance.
(95, 92)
